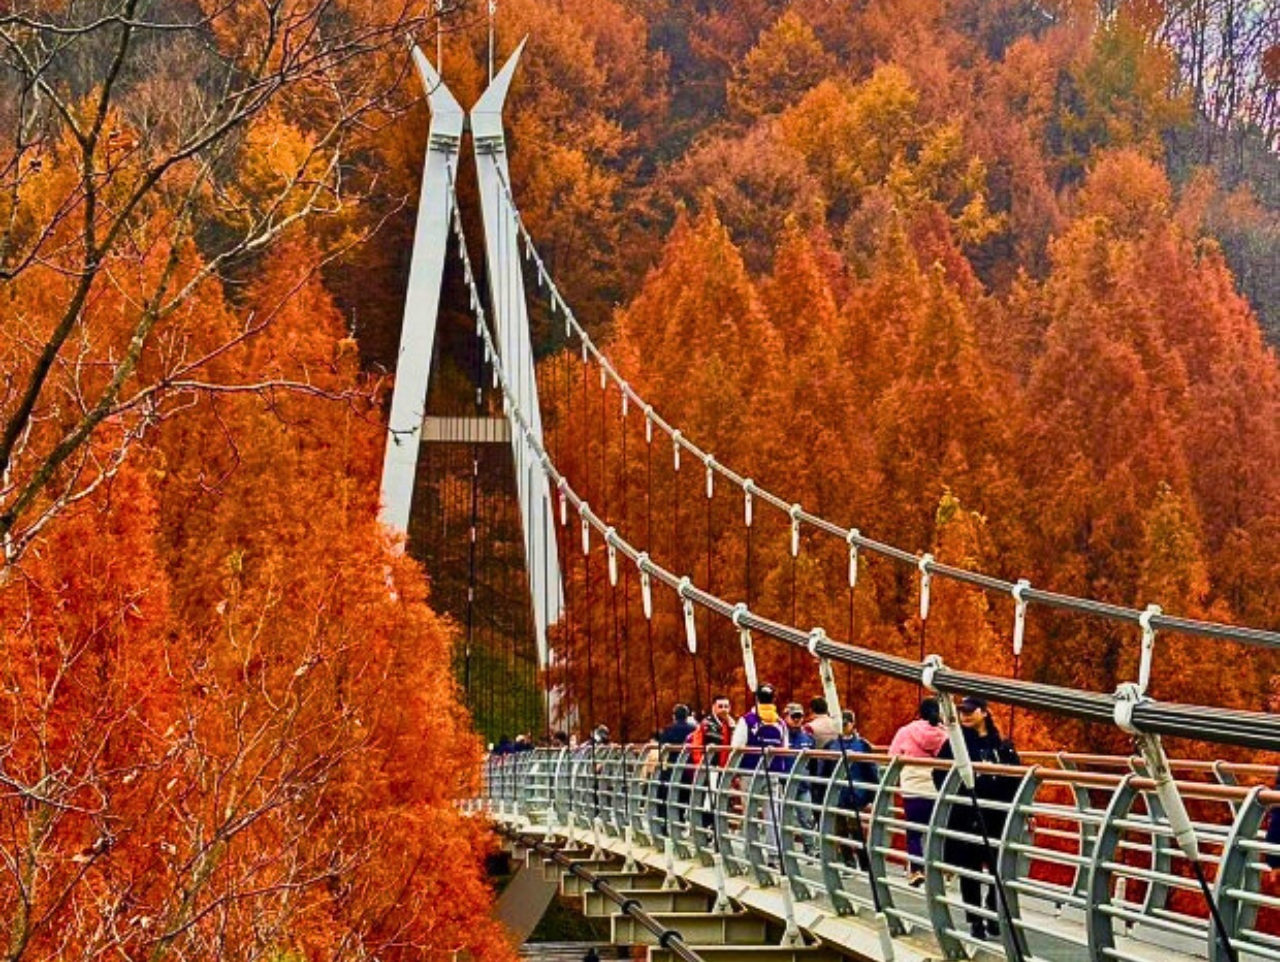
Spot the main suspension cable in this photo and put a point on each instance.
(1163, 622)
(1201, 723)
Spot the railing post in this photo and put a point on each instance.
(628, 833)
(1010, 863)
(731, 793)
(575, 768)
(679, 804)
(828, 847)
(1088, 834)
(791, 825)
(935, 885)
(751, 827)
(878, 841)
(716, 786)
(555, 759)
(1236, 875)
(1099, 925)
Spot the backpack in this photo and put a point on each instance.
(762, 734)
(697, 743)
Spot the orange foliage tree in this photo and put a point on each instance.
(230, 728)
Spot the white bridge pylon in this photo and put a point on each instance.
(511, 328)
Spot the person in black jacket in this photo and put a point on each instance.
(982, 738)
(670, 739)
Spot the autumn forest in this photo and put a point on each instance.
(993, 279)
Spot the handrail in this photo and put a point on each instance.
(1096, 841)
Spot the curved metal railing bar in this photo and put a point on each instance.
(1021, 590)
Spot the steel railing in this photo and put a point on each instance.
(1090, 865)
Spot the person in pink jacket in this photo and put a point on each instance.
(921, 738)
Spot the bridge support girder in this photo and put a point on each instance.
(753, 953)
(572, 885)
(695, 928)
(598, 906)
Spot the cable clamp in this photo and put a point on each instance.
(1148, 645)
(585, 346)
(1019, 614)
(816, 637)
(710, 461)
(648, 424)
(646, 589)
(852, 538)
(583, 508)
(931, 666)
(562, 486)
(738, 616)
(1128, 697)
(795, 511)
(690, 628)
(626, 396)
(676, 437)
(748, 490)
(604, 376)
(926, 579)
(610, 540)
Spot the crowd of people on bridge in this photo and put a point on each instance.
(769, 740)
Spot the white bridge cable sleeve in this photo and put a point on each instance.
(1187, 626)
(1200, 723)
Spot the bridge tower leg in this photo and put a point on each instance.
(511, 319)
(409, 427)
(422, 301)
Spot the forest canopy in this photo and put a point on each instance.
(993, 279)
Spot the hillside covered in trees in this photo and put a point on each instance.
(988, 279)
(982, 279)
(228, 725)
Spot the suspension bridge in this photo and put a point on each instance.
(763, 853)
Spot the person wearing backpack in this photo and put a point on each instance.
(758, 731)
(800, 738)
(982, 739)
(709, 743)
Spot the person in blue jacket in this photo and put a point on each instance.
(800, 738)
(856, 790)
